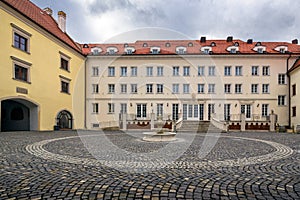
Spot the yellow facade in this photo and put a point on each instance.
(44, 62)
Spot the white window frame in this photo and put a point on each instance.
(123, 71)
(282, 79)
(255, 70)
(95, 108)
(111, 88)
(227, 88)
(227, 71)
(123, 88)
(201, 88)
(239, 70)
(95, 71)
(211, 88)
(265, 88)
(176, 70)
(160, 71)
(254, 88)
(111, 108)
(149, 71)
(149, 88)
(186, 88)
(111, 71)
(186, 71)
(95, 88)
(281, 100)
(266, 71)
(211, 71)
(175, 88)
(133, 71)
(160, 88)
(134, 88)
(201, 70)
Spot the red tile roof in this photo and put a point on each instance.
(295, 66)
(219, 48)
(41, 18)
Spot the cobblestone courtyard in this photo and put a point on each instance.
(79, 165)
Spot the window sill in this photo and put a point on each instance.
(21, 50)
(28, 82)
(65, 93)
(65, 70)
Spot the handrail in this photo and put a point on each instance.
(219, 124)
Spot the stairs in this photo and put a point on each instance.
(199, 127)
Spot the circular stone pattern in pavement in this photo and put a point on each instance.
(281, 151)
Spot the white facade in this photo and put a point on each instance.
(194, 87)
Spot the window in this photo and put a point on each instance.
(149, 88)
(186, 88)
(111, 71)
(123, 108)
(20, 42)
(95, 88)
(149, 71)
(260, 50)
(265, 110)
(111, 88)
(294, 90)
(294, 111)
(21, 73)
(95, 71)
(281, 79)
(160, 109)
(175, 88)
(186, 71)
(123, 88)
(211, 88)
(95, 107)
(206, 51)
(200, 88)
(227, 71)
(155, 51)
(160, 88)
(180, 51)
(65, 84)
(254, 88)
(111, 107)
(227, 88)
(64, 63)
(254, 70)
(133, 88)
(211, 71)
(238, 88)
(233, 50)
(64, 87)
(160, 71)
(133, 71)
(123, 71)
(238, 70)
(129, 51)
(281, 100)
(176, 71)
(282, 50)
(265, 88)
(266, 71)
(201, 71)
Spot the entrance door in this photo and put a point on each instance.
(227, 112)
(141, 111)
(175, 110)
(64, 120)
(191, 111)
(247, 110)
(211, 110)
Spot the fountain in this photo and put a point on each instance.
(159, 134)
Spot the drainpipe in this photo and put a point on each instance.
(289, 88)
(85, 92)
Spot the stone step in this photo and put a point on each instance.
(198, 126)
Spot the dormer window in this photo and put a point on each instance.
(167, 44)
(281, 49)
(260, 49)
(125, 45)
(233, 49)
(96, 50)
(145, 45)
(190, 44)
(112, 50)
(129, 50)
(236, 44)
(258, 44)
(213, 44)
(180, 50)
(155, 50)
(206, 49)
(85, 46)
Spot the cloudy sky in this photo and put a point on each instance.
(109, 20)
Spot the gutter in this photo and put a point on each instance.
(289, 88)
(85, 92)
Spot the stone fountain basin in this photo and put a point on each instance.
(159, 137)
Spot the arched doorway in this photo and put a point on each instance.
(64, 120)
(18, 115)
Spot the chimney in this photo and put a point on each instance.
(62, 20)
(229, 39)
(295, 41)
(203, 39)
(48, 11)
(249, 41)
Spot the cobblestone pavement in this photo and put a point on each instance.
(63, 165)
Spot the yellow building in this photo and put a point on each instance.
(294, 74)
(41, 86)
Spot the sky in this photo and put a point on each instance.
(99, 21)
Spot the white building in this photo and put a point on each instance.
(189, 79)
